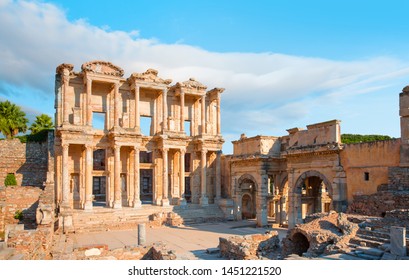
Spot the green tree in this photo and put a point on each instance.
(42, 122)
(12, 119)
(358, 138)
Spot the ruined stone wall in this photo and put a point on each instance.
(379, 203)
(374, 158)
(18, 198)
(316, 134)
(265, 145)
(249, 247)
(31, 241)
(28, 161)
(398, 178)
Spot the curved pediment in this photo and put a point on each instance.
(102, 67)
(150, 76)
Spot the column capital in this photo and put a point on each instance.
(165, 149)
(89, 146)
(65, 145)
(204, 151)
(136, 148)
(183, 150)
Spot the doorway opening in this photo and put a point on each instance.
(99, 190)
(146, 182)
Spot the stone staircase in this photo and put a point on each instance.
(104, 219)
(372, 242)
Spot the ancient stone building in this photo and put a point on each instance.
(307, 171)
(124, 142)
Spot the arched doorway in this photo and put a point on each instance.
(247, 206)
(247, 195)
(315, 192)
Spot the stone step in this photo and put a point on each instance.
(370, 251)
(374, 238)
(369, 243)
(377, 233)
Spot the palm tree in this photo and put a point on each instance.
(42, 122)
(12, 119)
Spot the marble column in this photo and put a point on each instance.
(182, 110)
(66, 112)
(137, 114)
(203, 122)
(165, 109)
(218, 176)
(88, 176)
(204, 200)
(165, 200)
(116, 104)
(137, 199)
(117, 177)
(65, 177)
(89, 103)
(182, 200)
(218, 115)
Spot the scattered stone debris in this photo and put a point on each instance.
(250, 247)
(327, 234)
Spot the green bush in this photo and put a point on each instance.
(18, 215)
(10, 180)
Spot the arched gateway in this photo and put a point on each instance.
(312, 194)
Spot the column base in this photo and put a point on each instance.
(165, 202)
(88, 206)
(137, 204)
(117, 205)
(204, 200)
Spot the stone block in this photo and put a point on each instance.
(92, 252)
(398, 241)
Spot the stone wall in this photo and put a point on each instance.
(15, 198)
(31, 241)
(379, 203)
(398, 179)
(249, 247)
(373, 158)
(28, 161)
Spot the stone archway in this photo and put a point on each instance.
(314, 193)
(246, 197)
(282, 202)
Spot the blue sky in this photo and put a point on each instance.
(284, 64)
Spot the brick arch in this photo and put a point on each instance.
(247, 177)
(312, 173)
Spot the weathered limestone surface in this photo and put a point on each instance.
(249, 247)
(327, 234)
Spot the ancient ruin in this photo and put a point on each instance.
(144, 150)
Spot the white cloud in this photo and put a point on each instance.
(264, 91)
